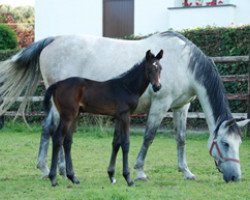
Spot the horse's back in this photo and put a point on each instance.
(101, 59)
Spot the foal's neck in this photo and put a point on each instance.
(135, 81)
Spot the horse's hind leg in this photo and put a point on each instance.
(47, 130)
(180, 117)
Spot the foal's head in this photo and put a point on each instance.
(153, 69)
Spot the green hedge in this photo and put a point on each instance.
(8, 37)
(221, 41)
(5, 54)
(225, 42)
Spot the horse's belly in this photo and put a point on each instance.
(182, 100)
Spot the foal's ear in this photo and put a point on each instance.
(149, 55)
(159, 55)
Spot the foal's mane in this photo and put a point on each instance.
(131, 71)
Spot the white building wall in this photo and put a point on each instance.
(193, 17)
(58, 17)
(242, 14)
(151, 16)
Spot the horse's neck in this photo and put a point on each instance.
(135, 81)
(212, 97)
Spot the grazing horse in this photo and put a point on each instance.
(187, 74)
(117, 97)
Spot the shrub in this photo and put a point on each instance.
(5, 54)
(8, 38)
(225, 42)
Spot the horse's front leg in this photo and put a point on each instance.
(115, 148)
(156, 114)
(125, 143)
(180, 119)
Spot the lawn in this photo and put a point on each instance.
(19, 178)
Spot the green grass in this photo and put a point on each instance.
(19, 178)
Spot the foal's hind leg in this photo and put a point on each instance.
(180, 117)
(57, 139)
(69, 166)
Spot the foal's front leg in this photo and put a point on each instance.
(125, 143)
(115, 148)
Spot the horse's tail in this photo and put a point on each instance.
(20, 75)
(48, 94)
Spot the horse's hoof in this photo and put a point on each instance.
(190, 177)
(44, 169)
(45, 176)
(141, 178)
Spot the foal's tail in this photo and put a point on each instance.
(20, 75)
(48, 94)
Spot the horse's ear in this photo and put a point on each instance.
(149, 55)
(159, 55)
(243, 123)
(226, 124)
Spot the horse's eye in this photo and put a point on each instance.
(225, 144)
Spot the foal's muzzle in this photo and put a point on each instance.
(156, 87)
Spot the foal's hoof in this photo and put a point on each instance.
(54, 184)
(53, 180)
(113, 180)
(74, 179)
(131, 183)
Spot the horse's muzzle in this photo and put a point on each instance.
(156, 87)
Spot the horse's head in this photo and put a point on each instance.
(153, 69)
(224, 147)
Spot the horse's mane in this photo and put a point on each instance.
(206, 73)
